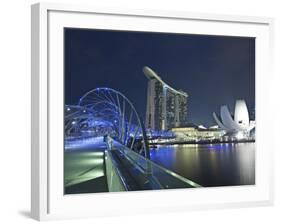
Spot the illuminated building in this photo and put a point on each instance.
(195, 133)
(166, 107)
(238, 126)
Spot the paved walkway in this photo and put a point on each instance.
(84, 170)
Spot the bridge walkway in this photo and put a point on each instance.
(102, 167)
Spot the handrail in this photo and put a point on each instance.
(192, 183)
(154, 175)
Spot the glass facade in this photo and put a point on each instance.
(166, 108)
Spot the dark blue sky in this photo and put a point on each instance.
(213, 70)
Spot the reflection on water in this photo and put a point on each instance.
(210, 165)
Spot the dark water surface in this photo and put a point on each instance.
(210, 165)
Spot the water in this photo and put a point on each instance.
(210, 165)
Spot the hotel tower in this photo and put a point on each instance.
(166, 107)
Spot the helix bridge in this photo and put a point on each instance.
(106, 117)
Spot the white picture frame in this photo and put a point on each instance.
(48, 201)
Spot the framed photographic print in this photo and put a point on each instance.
(152, 110)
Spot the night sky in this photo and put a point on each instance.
(213, 70)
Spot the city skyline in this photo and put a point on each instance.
(213, 70)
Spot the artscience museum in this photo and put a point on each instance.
(238, 125)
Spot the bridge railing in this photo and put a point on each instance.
(140, 173)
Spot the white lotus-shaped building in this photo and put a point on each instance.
(239, 125)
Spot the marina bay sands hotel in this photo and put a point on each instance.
(166, 107)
